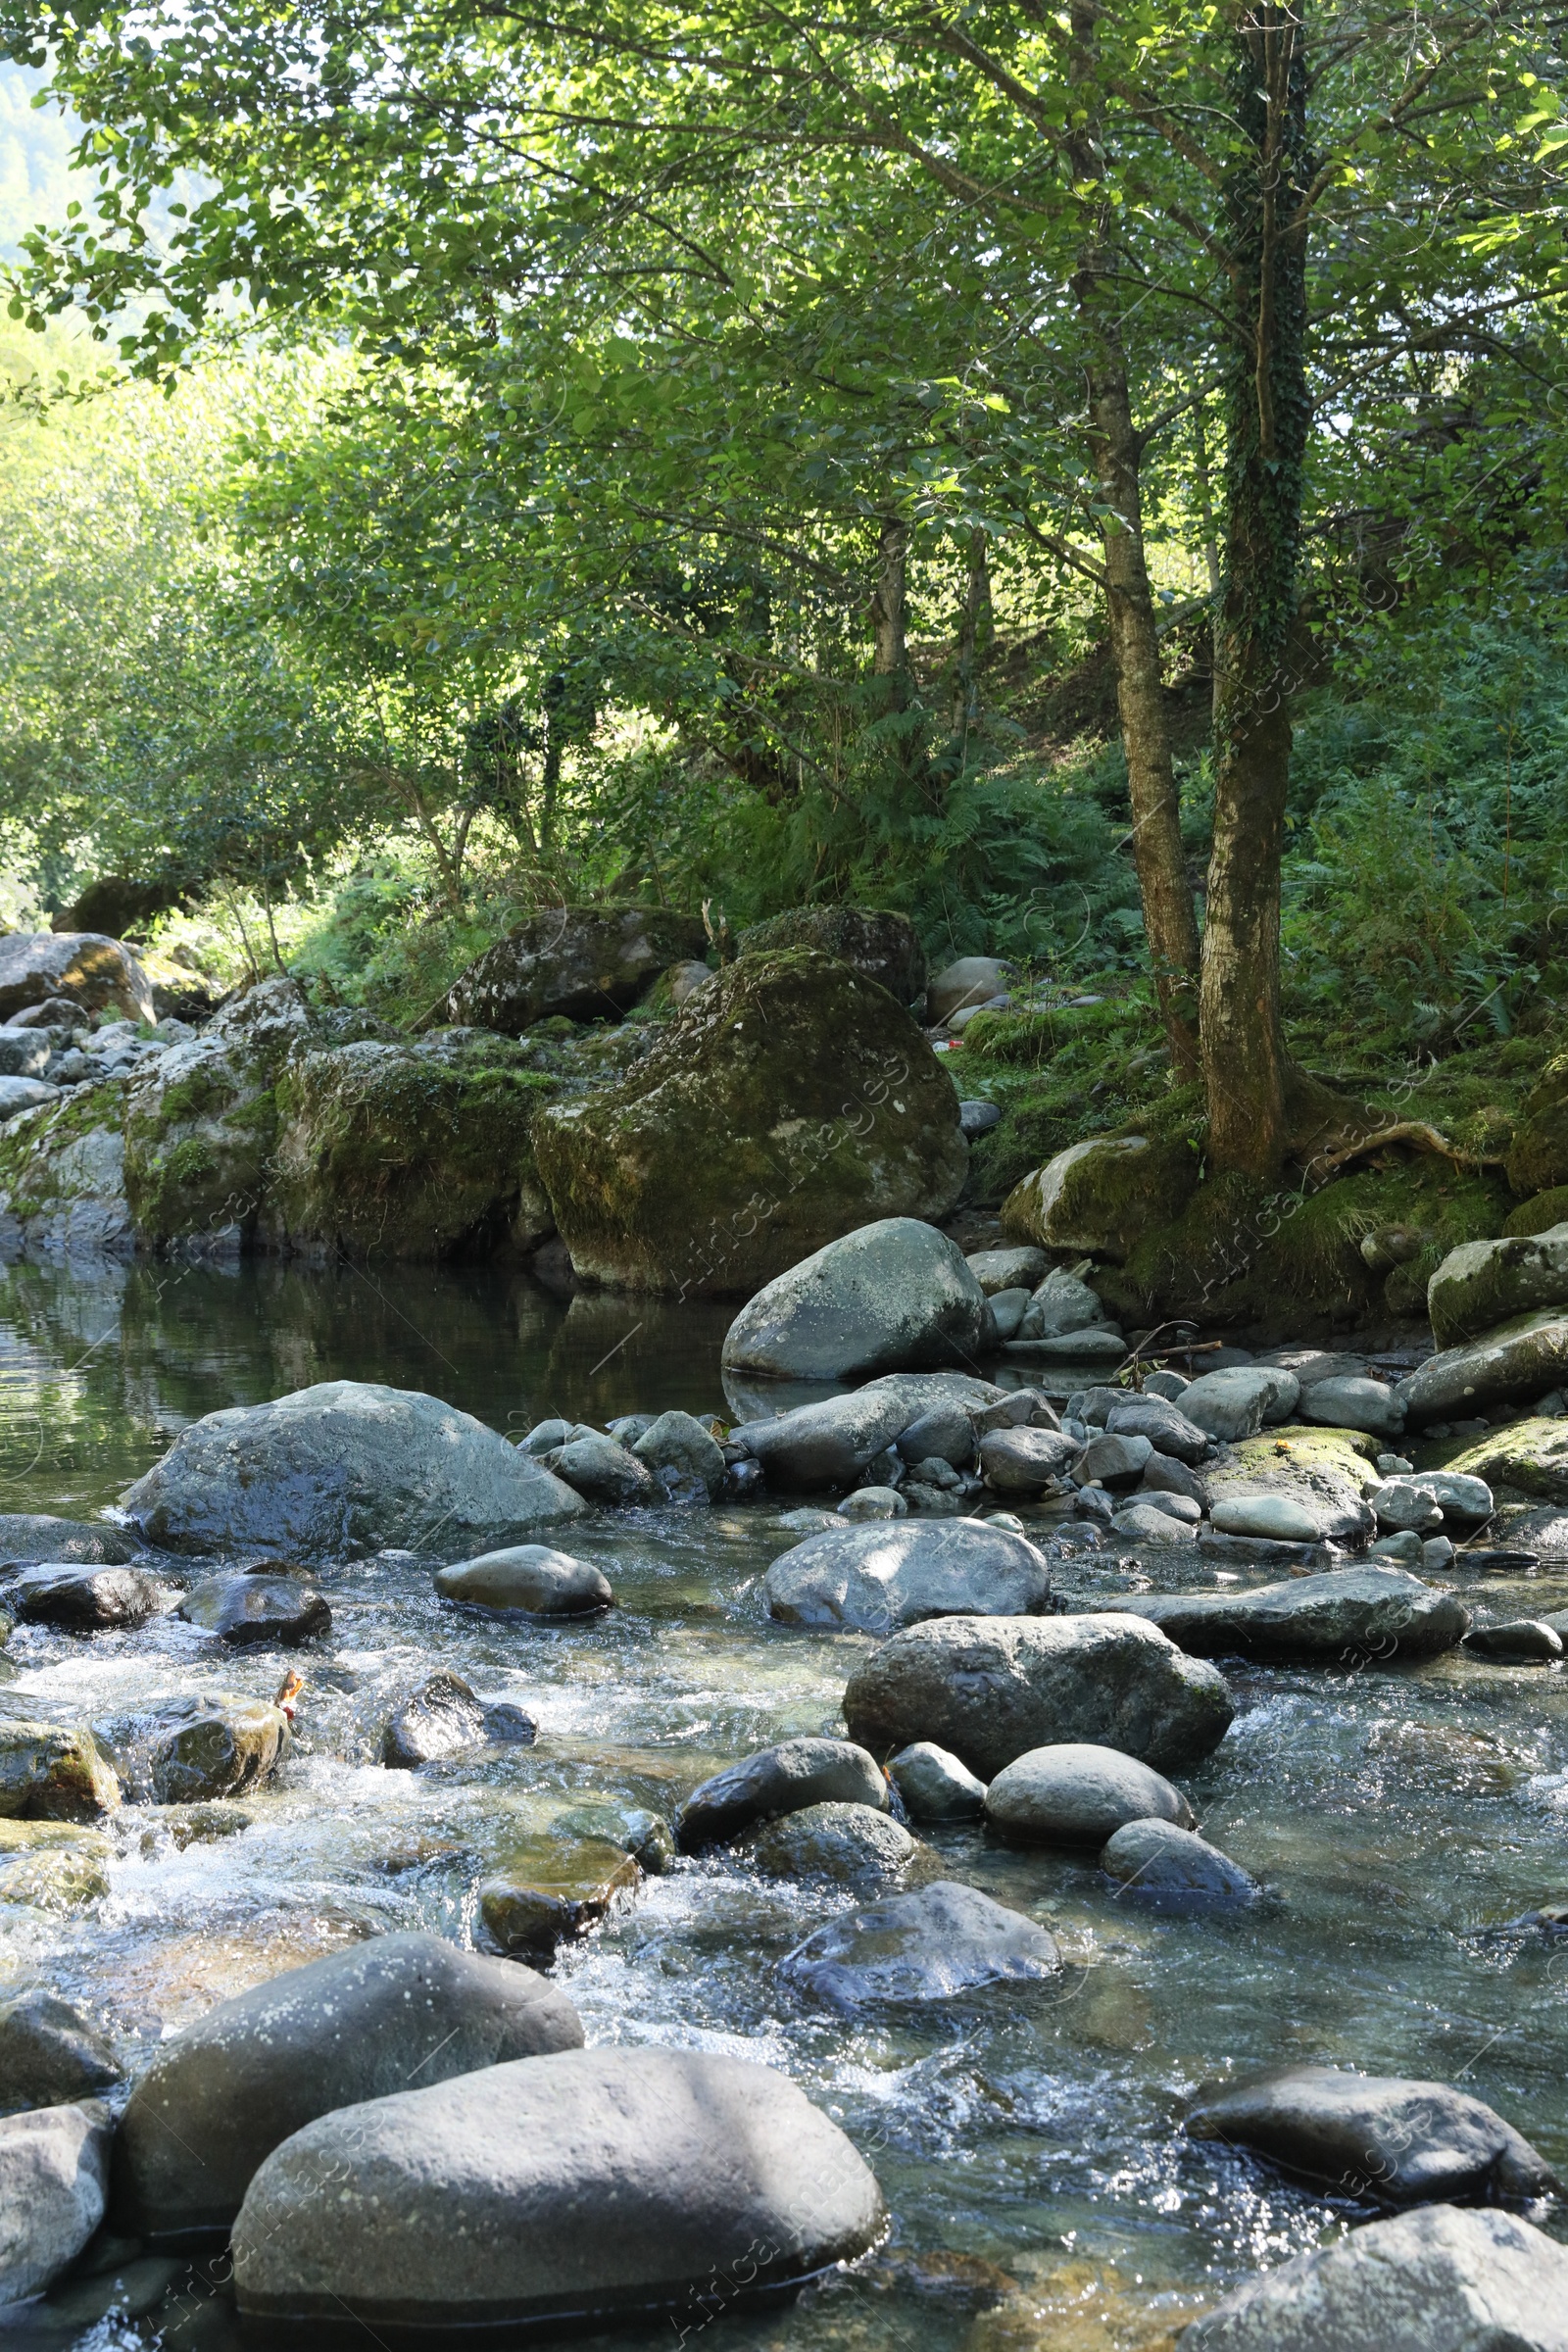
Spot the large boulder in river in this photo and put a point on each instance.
(62, 1178)
(878, 1577)
(1379, 2137)
(417, 1150)
(791, 1102)
(1483, 1284)
(1527, 1458)
(1327, 1473)
(53, 2162)
(92, 970)
(201, 1127)
(1076, 1793)
(780, 1779)
(1521, 1358)
(1440, 2280)
(586, 963)
(941, 1941)
(825, 1446)
(579, 2187)
(1350, 1616)
(894, 1296)
(886, 947)
(1101, 1194)
(224, 2094)
(991, 1687)
(343, 1469)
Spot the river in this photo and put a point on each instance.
(1029, 2147)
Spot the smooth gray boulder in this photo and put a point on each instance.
(1062, 1303)
(991, 1687)
(995, 1270)
(340, 1470)
(1077, 1793)
(1162, 1475)
(528, 1578)
(1439, 2280)
(1284, 1518)
(1161, 1519)
(1114, 1461)
(1520, 1360)
(586, 2187)
(49, 2052)
(873, 1502)
(1164, 1424)
(857, 1845)
(245, 1610)
(225, 2091)
(1165, 1864)
(1097, 1344)
(604, 1473)
(972, 981)
(933, 1946)
(83, 1599)
(93, 970)
(881, 1576)
(784, 1779)
(1406, 1504)
(1521, 1642)
(54, 2163)
(28, 1537)
(1463, 1501)
(895, 1296)
(1379, 2137)
(1483, 1284)
(1008, 1311)
(1353, 1402)
(1027, 1461)
(1350, 1614)
(440, 1718)
(18, 1095)
(936, 1786)
(1237, 1402)
(679, 1451)
(825, 1446)
(944, 1432)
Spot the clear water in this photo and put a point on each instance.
(1029, 2147)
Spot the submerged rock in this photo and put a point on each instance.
(1379, 2137)
(1344, 1614)
(991, 1689)
(347, 1467)
(245, 1610)
(879, 1577)
(892, 1297)
(855, 1845)
(54, 2163)
(935, 1786)
(784, 1778)
(1167, 1864)
(588, 963)
(528, 1578)
(49, 2052)
(221, 2095)
(579, 2187)
(85, 1599)
(1076, 1793)
(550, 1893)
(1439, 2280)
(934, 1945)
(791, 1102)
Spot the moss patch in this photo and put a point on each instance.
(1526, 1459)
(43, 1168)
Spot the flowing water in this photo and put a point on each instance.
(1029, 2144)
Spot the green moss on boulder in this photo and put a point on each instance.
(410, 1150)
(1526, 1459)
(886, 947)
(1539, 1215)
(1538, 1156)
(63, 1175)
(791, 1102)
(1101, 1194)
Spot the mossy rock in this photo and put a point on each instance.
(1278, 1259)
(410, 1150)
(1538, 1158)
(1526, 1459)
(202, 1128)
(63, 1174)
(886, 947)
(1329, 1470)
(1101, 1194)
(1540, 1214)
(582, 964)
(791, 1102)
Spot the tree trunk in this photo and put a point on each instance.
(1252, 1086)
(1171, 924)
(974, 639)
(891, 655)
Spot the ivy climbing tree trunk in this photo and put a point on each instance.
(1171, 924)
(1253, 1092)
